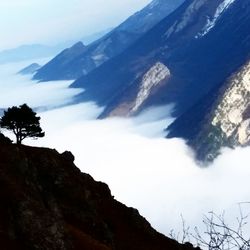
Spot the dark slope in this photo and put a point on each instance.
(219, 119)
(191, 125)
(110, 45)
(197, 64)
(47, 203)
(65, 58)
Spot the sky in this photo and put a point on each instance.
(50, 22)
(158, 176)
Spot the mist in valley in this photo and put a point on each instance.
(157, 176)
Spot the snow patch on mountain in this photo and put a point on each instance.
(212, 21)
(186, 18)
(153, 4)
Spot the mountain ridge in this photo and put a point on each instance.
(110, 45)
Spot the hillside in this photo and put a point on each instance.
(220, 119)
(47, 203)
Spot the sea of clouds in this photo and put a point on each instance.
(157, 176)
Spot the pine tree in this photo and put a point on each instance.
(23, 122)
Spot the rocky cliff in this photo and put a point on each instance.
(227, 123)
(223, 118)
(134, 99)
(232, 114)
(47, 203)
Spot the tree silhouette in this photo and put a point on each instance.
(23, 122)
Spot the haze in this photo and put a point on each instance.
(51, 22)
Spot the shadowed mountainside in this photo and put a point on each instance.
(74, 66)
(179, 61)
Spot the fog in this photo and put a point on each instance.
(16, 89)
(158, 176)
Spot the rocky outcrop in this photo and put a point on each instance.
(47, 203)
(228, 121)
(156, 74)
(133, 99)
(220, 119)
(232, 114)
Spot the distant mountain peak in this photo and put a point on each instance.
(31, 69)
(78, 45)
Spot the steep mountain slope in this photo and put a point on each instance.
(47, 203)
(110, 45)
(64, 59)
(199, 46)
(219, 119)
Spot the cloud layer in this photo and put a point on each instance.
(144, 170)
(16, 89)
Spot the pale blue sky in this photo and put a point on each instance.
(52, 21)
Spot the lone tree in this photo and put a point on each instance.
(23, 122)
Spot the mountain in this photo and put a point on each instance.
(110, 45)
(28, 52)
(220, 119)
(31, 69)
(180, 60)
(47, 203)
(65, 58)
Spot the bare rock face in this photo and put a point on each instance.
(151, 79)
(227, 124)
(47, 203)
(231, 115)
(134, 98)
(224, 119)
(67, 155)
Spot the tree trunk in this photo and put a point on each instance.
(18, 140)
